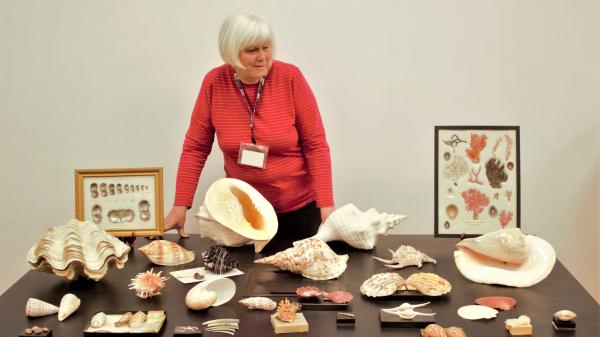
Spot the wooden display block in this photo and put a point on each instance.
(298, 325)
(520, 330)
(563, 325)
(391, 320)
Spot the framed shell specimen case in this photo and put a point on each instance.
(477, 179)
(121, 201)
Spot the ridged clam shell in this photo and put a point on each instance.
(429, 284)
(137, 320)
(506, 245)
(356, 228)
(38, 308)
(262, 303)
(199, 298)
(77, 248)
(406, 256)
(98, 320)
(312, 258)
(167, 253)
(383, 284)
(68, 305)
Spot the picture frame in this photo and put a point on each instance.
(477, 179)
(122, 201)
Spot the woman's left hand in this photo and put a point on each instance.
(325, 212)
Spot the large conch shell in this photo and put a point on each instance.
(505, 245)
(167, 253)
(537, 265)
(310, 257)
(358, 229)
(235, 213)
(77, 248)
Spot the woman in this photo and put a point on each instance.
(268, 126)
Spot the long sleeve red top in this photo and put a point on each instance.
(287, 120)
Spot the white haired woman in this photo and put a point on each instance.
(265, 106)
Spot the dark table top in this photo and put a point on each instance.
(559, 291)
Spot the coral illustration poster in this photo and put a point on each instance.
(477, 179)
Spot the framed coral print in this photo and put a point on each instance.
(477, 179)
(121, 201)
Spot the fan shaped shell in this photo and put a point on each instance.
(167, 253)
(77, 248)
(382, 284)
(311, 257)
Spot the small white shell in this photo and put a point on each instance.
(262, 303)
(518, 322)
(383, 284)
(565, 315)
(98, 320)
(68, 305)
(473, 312)
(37, 308)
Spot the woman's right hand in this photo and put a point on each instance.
(176, 220)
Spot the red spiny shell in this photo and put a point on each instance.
(339, 297)
(308, 292)
(497, 302)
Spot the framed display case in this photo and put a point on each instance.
(477, 179)
(121, 201)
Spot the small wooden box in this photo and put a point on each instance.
(298, 325)
(520, 330)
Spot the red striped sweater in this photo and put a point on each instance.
(287, 120)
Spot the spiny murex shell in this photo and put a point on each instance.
(506, 245)
(148, 284)
(263, 303)
(406, 256)
(76, 248)
(38, 308)
(235, 213)
(218, 260)
(68, 305)
(429, 284)
(167, 253)
(356, 228)
(382, 284)
(310, 257)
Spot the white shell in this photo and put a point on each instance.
(262, 303)
(565, 315)
(310, 257)
(406, 310)
(406, 256)
(68, 305)
(98, 320)
(77, 248)
(358, 229)
(537, 267)
(235, 213)
(505, 245)
(210, 293)
(383, 284)
(473, 312)
(38, 308)
(522, 321)
(167, 253)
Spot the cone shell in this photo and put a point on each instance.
(312, 258)
(507, 245)
(38, 308)
(428, 283)
(76, 248)
(68, 305)
(167, 253)
(383, 284)
(357, 228)
(262, 303)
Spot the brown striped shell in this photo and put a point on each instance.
(167, 253)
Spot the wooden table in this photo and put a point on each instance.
(559, 291)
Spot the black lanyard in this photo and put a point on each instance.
(252, 110)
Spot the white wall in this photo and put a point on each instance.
(96, 84)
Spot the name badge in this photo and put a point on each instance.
(253, 155)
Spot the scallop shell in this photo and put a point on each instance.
(137, 320)
(147, 284)
(218, 260)
(235, 213)
(124, 319)
(38, 308)
(98, 320)
(262, 303)
(505, 245)
(77, 248)
(310, 257)
(167, 253)
(473, 312)
(565, 315)
(433, 330)
(356, 228)
(383, 284)
(68, 305)
(406, 256)
(338, 296)
(497, 302)
(455, 332)
(428, 283)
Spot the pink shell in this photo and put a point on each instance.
(308, 292)
(497, 302)
(339, 297)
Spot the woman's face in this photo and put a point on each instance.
(257, 59)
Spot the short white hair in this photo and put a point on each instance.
(240, 30)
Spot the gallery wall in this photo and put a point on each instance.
(99, 84)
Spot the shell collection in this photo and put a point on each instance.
(167, 253)
(312, 258)
(262, 303)
(218, 260)
(286, 310)
(358, 229)
(148, 284)
(235, 213)
(406, 256)
(77, 248)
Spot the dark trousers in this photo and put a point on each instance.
(296, 225)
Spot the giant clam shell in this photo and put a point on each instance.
(428, 283)
(77, 248)
(68, 305)
(536, 267)
(312, 258)
(38, 308)
(235, 213)
(383, 284)
(167, 253)
(356, 228)
(506, 245)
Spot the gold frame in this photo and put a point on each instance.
(156, 172)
